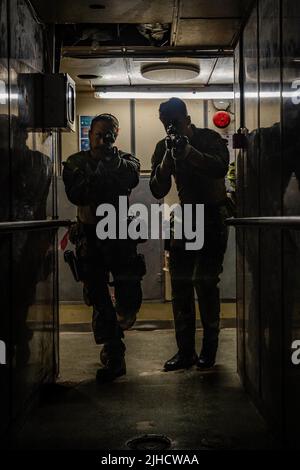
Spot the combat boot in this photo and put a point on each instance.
(112, 357)
(205, 362)
(207, 357)
(104, 355)
(114, 367)
(180, 361)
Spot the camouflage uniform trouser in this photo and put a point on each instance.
(98, 259)
(200, 270)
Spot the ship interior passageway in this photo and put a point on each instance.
(235, 66)
(194, 410)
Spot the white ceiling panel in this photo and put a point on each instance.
(110, 71)
(128, 71)
(223, 72)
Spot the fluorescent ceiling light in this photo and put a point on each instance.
(193, 95)
(270, 94)
(152, 95)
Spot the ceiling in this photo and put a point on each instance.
(120, 71)
(111, 41)
(114, 11)
(193, 22)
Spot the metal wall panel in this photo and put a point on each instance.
(270, 205)
(28, 304)
(291, 200)
(269, 282)
(239, 236)
(5, 245)
(251, 208)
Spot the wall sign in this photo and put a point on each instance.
(84, 127)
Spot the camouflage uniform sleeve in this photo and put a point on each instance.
(124, 170)
(160, 181)
(214, 161)
(82, 185)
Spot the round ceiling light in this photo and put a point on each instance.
(170, 73)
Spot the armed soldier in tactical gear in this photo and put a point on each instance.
(101, 175)
(198, 160)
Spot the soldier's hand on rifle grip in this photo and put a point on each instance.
(179, 150)
(169, 143)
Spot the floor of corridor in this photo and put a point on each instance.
(195, 410)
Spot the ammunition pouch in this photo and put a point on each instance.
(129, 266)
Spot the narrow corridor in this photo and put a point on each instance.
(194, 410)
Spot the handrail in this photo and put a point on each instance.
(278, 222)
(8, 227)
(275, 222)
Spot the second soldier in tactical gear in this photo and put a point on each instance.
(100, 175)
(198, 161)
